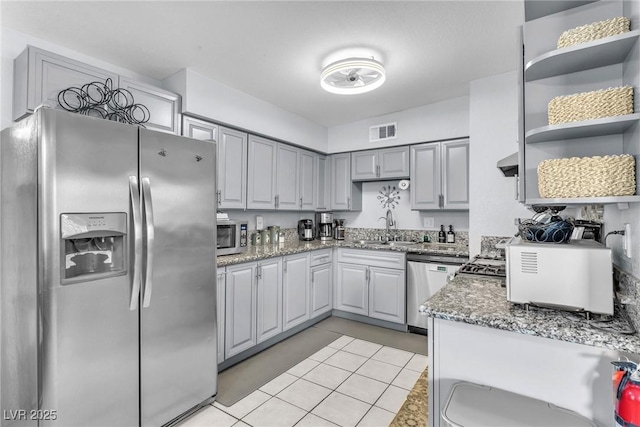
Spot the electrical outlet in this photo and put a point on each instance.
(259, 222)
(627, 240)
(428, 222)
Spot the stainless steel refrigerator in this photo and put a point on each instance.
(107, 269)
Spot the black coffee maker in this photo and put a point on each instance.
(305, 229)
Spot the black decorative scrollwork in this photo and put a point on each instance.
(99, 99)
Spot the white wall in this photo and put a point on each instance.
(433, 122)
(493, 124)
(210, 99)
(403, 215)
(13, 43)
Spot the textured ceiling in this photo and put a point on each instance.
(275, 51)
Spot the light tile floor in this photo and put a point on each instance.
(350, 382)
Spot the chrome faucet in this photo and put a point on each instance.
(388, 223)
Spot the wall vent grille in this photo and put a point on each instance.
(383, 132)
(529, 262)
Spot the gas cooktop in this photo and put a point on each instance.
(484, 265)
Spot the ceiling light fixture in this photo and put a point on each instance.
(352, 76)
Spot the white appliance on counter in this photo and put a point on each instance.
(107, 275)
(426, 274)
(574, 276)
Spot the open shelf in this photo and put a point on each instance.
(585, 201)
(585, 129)
(538, 9)
(594, 54)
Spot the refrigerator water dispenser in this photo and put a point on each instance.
(93, 246)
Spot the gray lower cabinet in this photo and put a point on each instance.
(253, 311)
(387, 294)
(352, 288)
(440, 175)
(371, 283)
(295, 285)
(240, 308)
(220, 310)
(269, 298)
(261, 173)
(321, 292)
(345, 194)
(164, 106)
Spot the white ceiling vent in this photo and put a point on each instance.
(383, 132)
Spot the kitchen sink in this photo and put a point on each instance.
(401, 243)
(380, 242)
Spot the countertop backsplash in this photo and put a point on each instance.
(628, 290)
(462, 237)
(488, 245)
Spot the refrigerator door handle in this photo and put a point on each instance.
(134, 192)
(148, 213)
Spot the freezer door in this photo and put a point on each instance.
(89, 343)
(178, 316)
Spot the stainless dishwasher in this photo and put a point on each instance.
(426, 274)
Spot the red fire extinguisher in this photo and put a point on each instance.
(627, 407)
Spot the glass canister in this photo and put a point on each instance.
(256, 238)
(274, 232)
(266, 236)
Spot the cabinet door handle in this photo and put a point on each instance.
(219, 197)
(284, 266)
(300, 202)
(441, 201)
(378, 171)
(348, 203)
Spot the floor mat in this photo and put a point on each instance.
(249, 375)
(414, 410)
(401, 340)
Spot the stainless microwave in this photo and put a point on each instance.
(232, 237)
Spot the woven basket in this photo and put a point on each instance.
(587, 177)
(610, 102)
(594, 31)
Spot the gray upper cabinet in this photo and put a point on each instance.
(287, 183)
(440, 175)
(164, 106)
(455, 175)
(261, 175)
(308, 176)
(385, 163)
(232, 169)
(231, 160)
(323, 182)
(345, 194)
(394, 162)
(199, 129)
(40, 75)
(425, 176)
(364, 165)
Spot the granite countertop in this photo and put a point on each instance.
(255, 253)
(483, 301)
